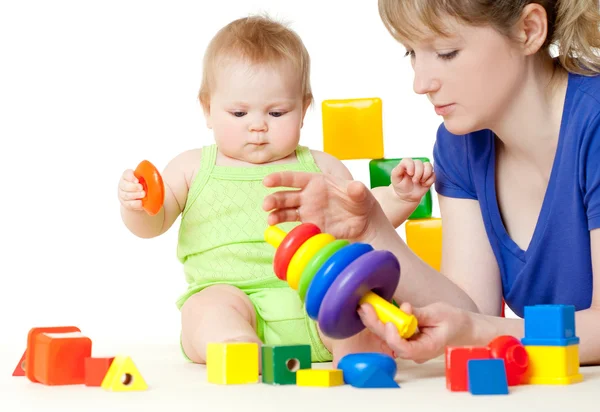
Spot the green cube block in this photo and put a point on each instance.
(380, 171)
(280, 363)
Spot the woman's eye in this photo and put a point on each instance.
(410, 53)
(448, 56)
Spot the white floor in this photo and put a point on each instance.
(175, 385)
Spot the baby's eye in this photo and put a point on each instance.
(276, 114)
(409, 53)
(238, 114)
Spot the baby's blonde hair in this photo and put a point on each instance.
(256, 40)
(573, 25)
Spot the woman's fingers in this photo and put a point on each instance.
(288, 179)
(282, 200)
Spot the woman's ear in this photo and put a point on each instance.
(532, 28)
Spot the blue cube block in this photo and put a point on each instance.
(487, 377)
(550, 325)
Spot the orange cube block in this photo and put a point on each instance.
(56, 355)
(95, 370)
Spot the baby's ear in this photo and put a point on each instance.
(206, 111)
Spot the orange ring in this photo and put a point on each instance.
(151, 180)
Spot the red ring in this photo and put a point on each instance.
(290, 244)
(151, 180)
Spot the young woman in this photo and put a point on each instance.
(517, 163)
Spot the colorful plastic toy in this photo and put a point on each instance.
(353, 128)
(552, 345)
(350, 275)
(550, 325)
(516, 360)
(319, 377)
(456, 365)
(20, 368)
(153, 185)
(96, 369)
(123, 376)
(424, 238)
(369, 370)
(487, 377)
(232, 363)
(56, 355)
(281, 362)
(380, 171)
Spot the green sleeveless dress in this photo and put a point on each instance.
(221, 241)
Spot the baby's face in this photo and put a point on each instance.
(256, 111)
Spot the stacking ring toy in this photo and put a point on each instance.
(338, 278)
(152, 182)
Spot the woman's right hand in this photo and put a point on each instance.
(345, 209)
(130, 191)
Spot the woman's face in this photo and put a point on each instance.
(470, 77)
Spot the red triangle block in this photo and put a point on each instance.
(20, 369)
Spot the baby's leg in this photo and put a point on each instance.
(219, 313)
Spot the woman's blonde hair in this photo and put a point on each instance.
(573, 25)
(256, 40)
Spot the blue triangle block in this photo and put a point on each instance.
(374, 378)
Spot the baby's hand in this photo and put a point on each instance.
(411, 179)
(130, 191)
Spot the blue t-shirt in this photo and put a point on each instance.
(557, 266)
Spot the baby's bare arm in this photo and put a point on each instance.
(177, 177)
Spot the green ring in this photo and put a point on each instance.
(314, 264)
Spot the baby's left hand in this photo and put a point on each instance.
(411, 179)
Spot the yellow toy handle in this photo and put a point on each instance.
(387, 312)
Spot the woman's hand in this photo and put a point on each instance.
(440, 325)
(345, 209)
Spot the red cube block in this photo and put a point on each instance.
(456, 365)
(95, 370)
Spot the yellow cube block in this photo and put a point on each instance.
(232, 363)
(553, 365)
(424, 238)
(319, 377)
(353, 128)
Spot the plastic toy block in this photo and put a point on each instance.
(553, 365)
(56, 355)
(516, 360)
(456, 365)
(424, 238)
(373, 377)
(123, 376)
(319, 377)
(487, 377)
(280, 363)
(20, 368)
(96, 369)
(232, 363)
(550, 325)
(380, 171)
(353, 128)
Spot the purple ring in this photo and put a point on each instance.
(377, 271)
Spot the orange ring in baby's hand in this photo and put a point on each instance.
(151, 180)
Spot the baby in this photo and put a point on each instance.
(255, 92)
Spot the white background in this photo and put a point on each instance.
(90, 88)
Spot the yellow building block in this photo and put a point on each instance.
(232, 363)
(123, 376)
(319, 377)
(553, 365)
(424, 238)
(353, 128)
